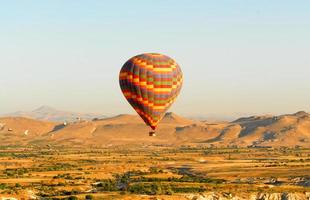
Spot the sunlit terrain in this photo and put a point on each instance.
(142, 172)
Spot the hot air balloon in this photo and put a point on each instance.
(151, 82)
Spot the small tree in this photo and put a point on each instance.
(72, 198)
(156, 188)
(168, 190)
(89, 197)
(17, 185)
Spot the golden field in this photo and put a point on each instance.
(152, 172)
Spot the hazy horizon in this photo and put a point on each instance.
(238, 58)
(210, 116)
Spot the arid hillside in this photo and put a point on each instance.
(286, 130)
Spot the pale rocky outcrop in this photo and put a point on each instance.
(253, 196)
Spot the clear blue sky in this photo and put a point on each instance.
(238, 57)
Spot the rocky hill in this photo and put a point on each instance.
(258, 131)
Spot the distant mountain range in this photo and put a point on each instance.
(51, 114)
(256, 131)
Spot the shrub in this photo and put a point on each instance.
(72, 198)
(107, 185)
(17, 185)
(3, 186)
(89, 197)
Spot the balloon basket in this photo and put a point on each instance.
(152, 133)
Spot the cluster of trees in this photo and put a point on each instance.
(130, 182)
(3, 186)
(65, 176)
(15, 172)
(61, 167)
(70, 195)
(184, 178)
(66, 198)
(18, 172)
(10, 188)
(150, 188)
(125, 184)
(108, 185)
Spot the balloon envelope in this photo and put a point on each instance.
(151, 82)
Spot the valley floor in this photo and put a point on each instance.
(154, 172)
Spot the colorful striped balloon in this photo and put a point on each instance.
(151, 82)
